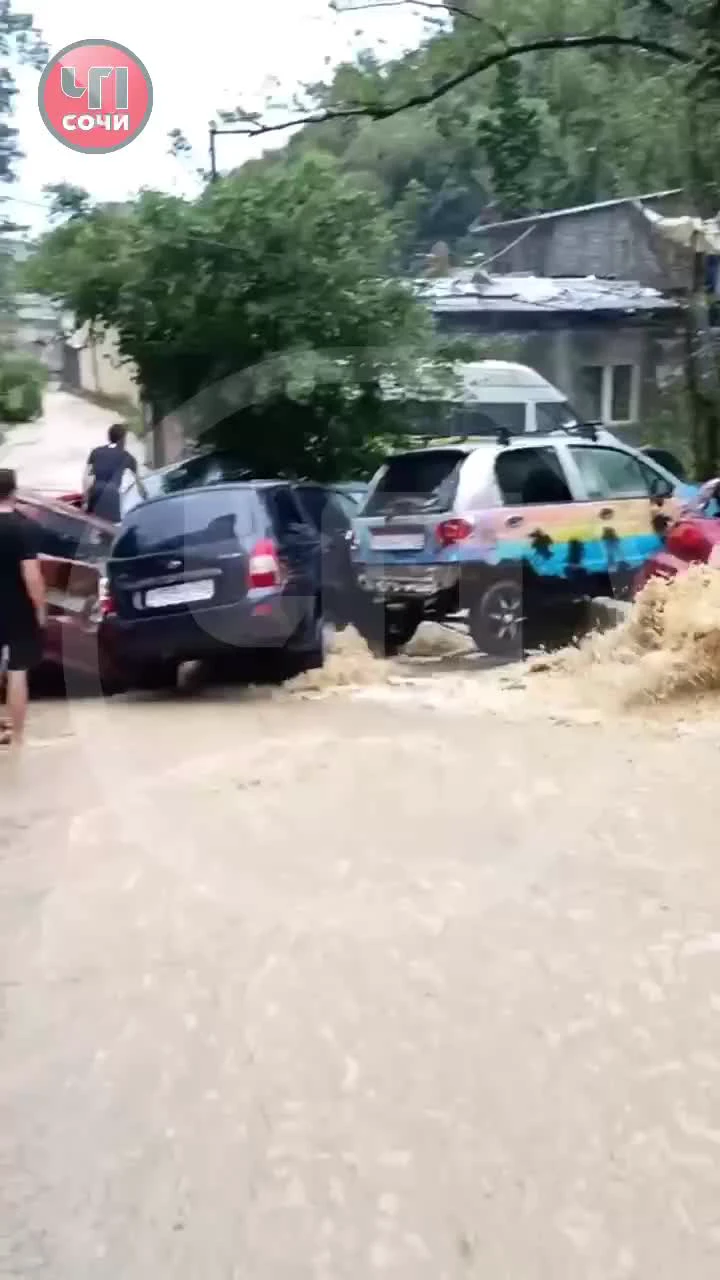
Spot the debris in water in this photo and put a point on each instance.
(431, 640)
(349, 663)
(668, 646)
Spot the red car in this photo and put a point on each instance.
(73, 549)
(693, 539)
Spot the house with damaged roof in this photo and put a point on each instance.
(591, 296)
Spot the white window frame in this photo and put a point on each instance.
(606, 392)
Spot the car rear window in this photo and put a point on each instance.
(416, 482)
(206, 469)
(202, 517)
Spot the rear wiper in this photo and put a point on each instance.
(401, 504)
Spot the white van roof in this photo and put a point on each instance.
(479, 375)
(491, 381)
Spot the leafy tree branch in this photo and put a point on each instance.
(255, 127)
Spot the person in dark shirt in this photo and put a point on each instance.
(104, 472)
(22, 609)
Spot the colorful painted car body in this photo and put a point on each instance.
(694, 538)
(561, 514)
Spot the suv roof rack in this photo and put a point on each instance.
(588, 430)
(500, 435)
(503, 436)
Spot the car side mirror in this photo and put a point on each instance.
(660, 488)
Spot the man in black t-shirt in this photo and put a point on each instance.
(22, 608)
(104, 472)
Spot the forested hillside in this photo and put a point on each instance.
(543, 129)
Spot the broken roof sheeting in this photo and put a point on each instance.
(471, 290)
(571, 211)
(700, 235)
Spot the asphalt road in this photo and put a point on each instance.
(51, 453)
(389, 983)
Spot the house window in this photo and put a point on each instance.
(610, 392)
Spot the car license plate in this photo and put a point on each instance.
(180, 593)
(397, 542)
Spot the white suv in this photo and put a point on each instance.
(506, 529)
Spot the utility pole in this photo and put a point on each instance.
(213, 132)
(213, 156)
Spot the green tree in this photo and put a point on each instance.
(19, 42)
(67, 201)
(611, 91)
(512, 140)
(264, 314)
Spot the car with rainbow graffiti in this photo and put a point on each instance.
(508, 530)
(694, 538)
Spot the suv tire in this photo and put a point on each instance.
(497, 617)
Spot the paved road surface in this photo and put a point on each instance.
(328, 989)
(51, 453)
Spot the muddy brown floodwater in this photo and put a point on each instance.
(412, 974)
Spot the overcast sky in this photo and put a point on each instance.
(221, 53)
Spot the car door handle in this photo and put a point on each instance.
(513, 522)
(607, 513)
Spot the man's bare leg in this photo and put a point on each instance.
(17, 704)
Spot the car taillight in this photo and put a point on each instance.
(106, 602)
(264, 567)
(454, 530)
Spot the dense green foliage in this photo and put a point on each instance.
(545, 129)
(498, 112)
(264, 313)
(22, 382)
(19, 42)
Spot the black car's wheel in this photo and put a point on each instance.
(497, 618)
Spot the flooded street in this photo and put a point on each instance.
(396, 980)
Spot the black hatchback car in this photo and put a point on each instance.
(211, 574)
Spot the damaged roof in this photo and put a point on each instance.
(478, 227)
(476, 291)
